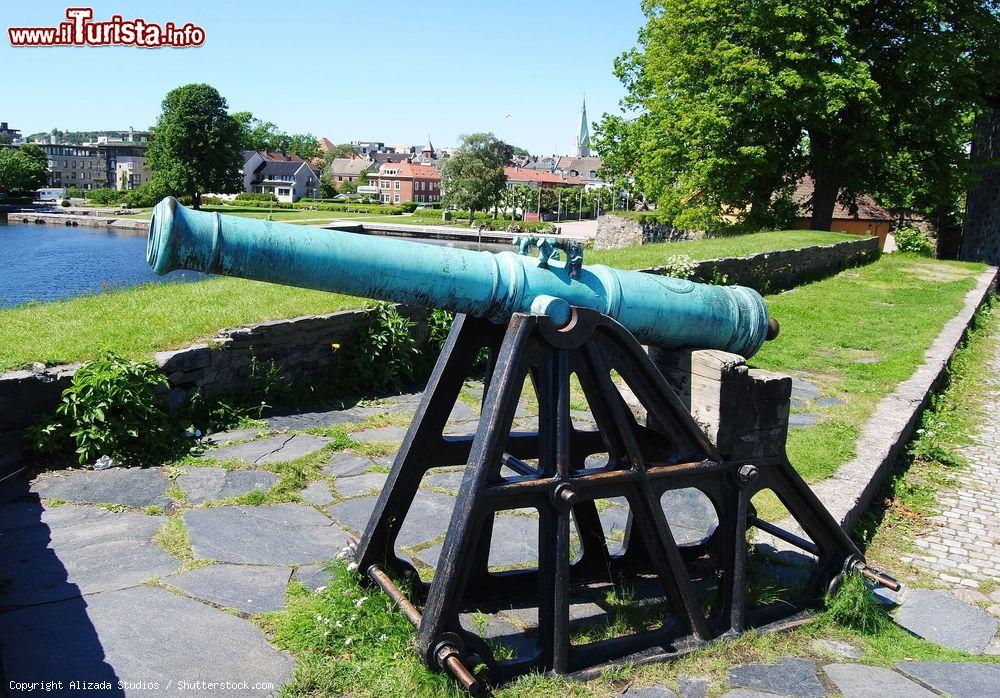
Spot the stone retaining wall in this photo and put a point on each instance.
(300, 348)
(768, 272)
(29, 217)
(616, 232)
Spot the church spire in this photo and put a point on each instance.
(581, 145)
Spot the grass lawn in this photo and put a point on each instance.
(858, 334)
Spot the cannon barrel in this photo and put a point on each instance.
(658, 310)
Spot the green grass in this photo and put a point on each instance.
(646, 256)
(888, 312)
(138, 321)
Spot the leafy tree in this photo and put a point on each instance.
(196, 144)
(348, 187)
(473, 178)
(5, 139)
(302, 144)
(362, 179)
(341, 150)
(256, 134)
(22, 170)
(519, 151)
(738, 99)
(327, 189)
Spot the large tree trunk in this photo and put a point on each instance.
(826, 181)
(981, 233)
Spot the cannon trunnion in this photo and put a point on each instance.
(542, 325)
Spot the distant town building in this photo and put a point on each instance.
(81, 166)
(130, 172)
(581, 142)
(130, 136)
(526, 176)
(285, 175)
(585, 168)
(399, 182)
(10, 135)
(370, 147)
(870, 218)
(349, 169)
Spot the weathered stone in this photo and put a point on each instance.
(691, 515)
(353, 513)
(450, 480)
(515, 541)
(656, 691)
(427, 518)
(294, 421)
(837, 648)
(317, 493)
(800, 420)
(788, 676)
(463, 413)
(692, 686)
(248, 588)
(132, 487)
(277, 449)
(277, 534)
(315, 575)
(353, 485)
(390, 433)
(231, 436)
(347, 463)
(956, 679)
(206, 484)
(860, 681)
(70, 550)
(939, 617)
(144, 634)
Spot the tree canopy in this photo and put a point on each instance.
(473, 178)
(196, 144)
(256, 134)
(22, 170)
(736, 100)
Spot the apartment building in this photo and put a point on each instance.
(399, 182)
(285, 175)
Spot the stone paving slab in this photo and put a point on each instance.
(656, 691)
(450, 480)
(131, 487)
(354, 485)
(347, 463)
(317, 493)
(313, 575)
(939, 617)
(788, 676)
(276, 534)
(860, 681)
(956, 679)
(66, 551)
(294, 421)
(221, 438)
(144, 634)
(276, 449)
(248, 588)
(206, 484)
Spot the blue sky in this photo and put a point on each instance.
(388, 70)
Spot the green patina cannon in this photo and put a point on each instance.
(658, 310)
(542, 322)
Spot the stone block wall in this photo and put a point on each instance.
(614, 232)
(299, 348)
(768, 272)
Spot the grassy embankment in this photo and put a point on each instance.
(136, 322)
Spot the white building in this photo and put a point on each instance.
(287, 176)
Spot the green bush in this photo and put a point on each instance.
(145, 195)
(251, 196)
(113, 407)
(65, 203)
(104, 197)
(75, 193)
(388, 353)
(909, 239)
(409, 206)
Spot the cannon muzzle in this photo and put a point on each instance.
(658, 310)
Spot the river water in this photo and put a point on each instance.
(48, 262)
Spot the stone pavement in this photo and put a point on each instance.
(87, 591)
(962, 551)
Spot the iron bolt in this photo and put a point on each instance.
(747, 473)
(564, 495)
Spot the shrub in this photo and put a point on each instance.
(409, 206)
(145, 195)
(65, 203)
(388, 353)
(909, 239)
(113, 407)
(75, 193)
(680, 266)
(251, 196)
(104, 197)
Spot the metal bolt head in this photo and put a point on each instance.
(747, 473)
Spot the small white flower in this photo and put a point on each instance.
(383, 637)
(320, 590)
(351, 567)
(338, 624)
(348, 641)
(360, 602)
(319, 618)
